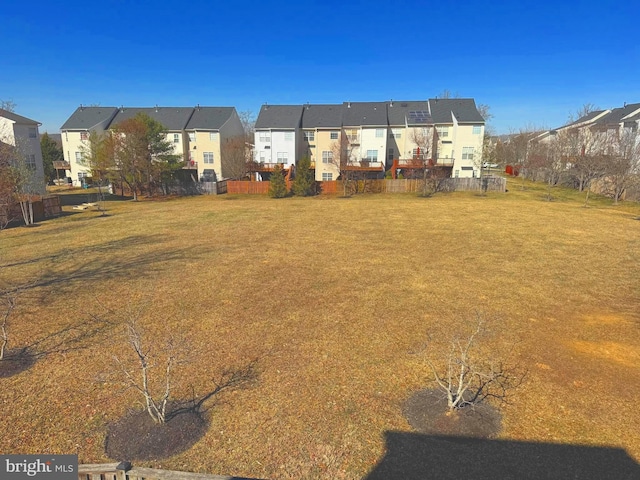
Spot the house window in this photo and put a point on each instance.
(31, 162)
(467, 153)
(418, 153)
(288, 136)
(457, 173)
(379, 132)
(391, 154)
(334, 135)
(442, 131)
(213, 136)
(327, 156)
(352, 135)
(282, 157)
(327, 177)
(395, 133)
(32, 132)
(309, 136)
(263, 157)
(83, 136)
(192, 136)
(264, 136)
(82, 176)
(176, 138)
(372, 155)
(207, 157)
(79, 157)
(477, 129)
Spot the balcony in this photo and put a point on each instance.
(264, 167)
(190, 165)
(365, 165)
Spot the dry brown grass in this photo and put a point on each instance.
(335, 296)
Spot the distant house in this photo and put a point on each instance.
(20, 135)
(196, 133)
(321, 129)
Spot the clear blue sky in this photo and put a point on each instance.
(533, 63)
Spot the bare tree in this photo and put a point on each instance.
(623, 169)
(234, 160)
(9, 300)
(432, 174)
(341, 160)
(466, 377)
(155, 397)
(8, 105)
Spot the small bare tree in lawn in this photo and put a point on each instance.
(155, 388)
(432, 175)
(467, 377)
(341, 160)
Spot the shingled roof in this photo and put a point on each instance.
(279, 116)
(86, 118)
(617, 114)
(171, 118)
(209, 118)
(408, 112)
(17, 118)
(364, 114)
(322, 116)
(464, 109)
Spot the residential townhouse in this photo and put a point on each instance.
(278, 138)
(376, 135)
(459, 135)
(198, 135)
(20, 135)
(322, 130)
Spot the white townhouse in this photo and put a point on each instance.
(22, 136)
(278, 137)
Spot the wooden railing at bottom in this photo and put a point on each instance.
(125, 471)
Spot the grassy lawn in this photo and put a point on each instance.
(335, 296)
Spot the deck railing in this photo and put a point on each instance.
(125, 471)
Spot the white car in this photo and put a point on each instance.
(489, 165)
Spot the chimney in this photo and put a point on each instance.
(198, 107)
(81, 107)
(348, 104)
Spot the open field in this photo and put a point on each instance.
(335, 296)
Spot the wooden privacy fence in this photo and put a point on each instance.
(125, 471)
(44, 207)
(492, 184)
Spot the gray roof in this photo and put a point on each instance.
(17, 118)
(209, 118)
(85, 118)
(279, 116)
(617, 114)
(364, 114)
(586, 118)
(400, 113)
(171, 118)
(464, 110)
(322, 116)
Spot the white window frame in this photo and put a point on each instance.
(79, 159)
(395, 133)
(467, 153)
(176, 138)
(83, 136)
(327, 156)
(327, 177)
(264, 136)
(288, 136)
(379, 132)
(282, 157)
(192, 137)
(309, 135)
(207, 157)
(442, 131)
(213, 136)
(372, 155)
(333, 135)
(477, 129)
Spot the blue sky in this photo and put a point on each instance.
(533, 63)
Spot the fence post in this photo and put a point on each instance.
(122, 469)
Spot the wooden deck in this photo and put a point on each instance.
(125, 471)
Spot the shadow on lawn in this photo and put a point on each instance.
(413, 456)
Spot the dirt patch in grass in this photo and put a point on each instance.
(16, 361)
(427, 412)
(137, 437)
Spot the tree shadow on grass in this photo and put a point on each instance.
(67, 339)
(136, 436)
(412, 456)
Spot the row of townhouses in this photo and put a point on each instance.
(601, 124)
(374, 136)
(198, 134)
(20, 139)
